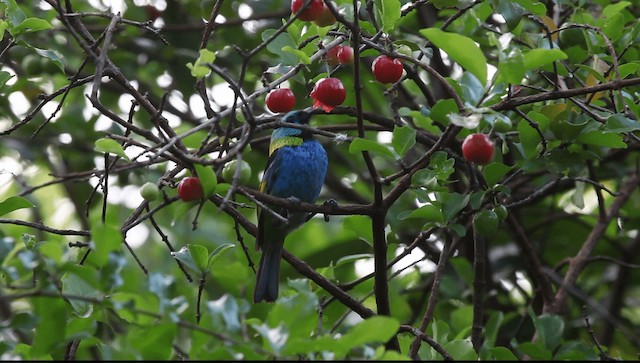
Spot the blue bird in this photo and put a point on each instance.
(295, 170)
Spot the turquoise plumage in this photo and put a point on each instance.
(296, 169)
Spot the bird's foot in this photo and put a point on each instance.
(293, 200)
(331, 203)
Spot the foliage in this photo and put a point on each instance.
(98, 101)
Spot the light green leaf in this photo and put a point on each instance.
(352, 258)
(461, 49)
(529, 138)
(613, 9)
(200, 68)
(110, 146)
(404, 138)
(302, 56)
(31, 25)
(468, 122)
(538, 57)
(461, 349)
(360, 226)
(208, 179)
(359, 145)
(184, 256)
(52, 324)
(535, 351)
(14, 203)
(200, 256)
(377, 329)
(218, 252)
(428, 213)
(390, 14)
(3, 26)
(106, 239)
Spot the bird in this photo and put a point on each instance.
(295, 170)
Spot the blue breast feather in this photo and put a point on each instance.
(297, 171)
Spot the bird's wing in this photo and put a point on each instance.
(270, 174)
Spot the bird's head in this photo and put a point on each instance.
(300, 117)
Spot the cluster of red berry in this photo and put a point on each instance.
(329, 92)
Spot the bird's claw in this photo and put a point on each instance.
(333, 204)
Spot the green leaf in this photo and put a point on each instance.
(14, 13)
(600, 138)
(52, 55)
(442, 109)
(359, 145)
(300, 55)
(218, 252)
(495, 171)
(208, 179)
(619, 123)
(279, 42)
(452, 203)
(3, 26)
(31, 25)
(153, 343)
(390, 14)
(106, 239)
(4, 76)
(538, 57)
(613, 9)
(52, 314)
(428, 213)
(110, 146)
(461, 49)
(360, 226)
(352, 258)
(549, 328)
(378, 329)
(503, 353)
(461, 349)
(14, 203)
(404, 138)
(511, 66)
(628, 69)
(529, 138)
(75, 283)
(492, 328)
(534, 7)
(535, 351)
(200, 256)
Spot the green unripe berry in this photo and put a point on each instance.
(149, 191)
(229, 171)
(485, 223)
(501, 211)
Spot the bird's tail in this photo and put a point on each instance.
(268, 273)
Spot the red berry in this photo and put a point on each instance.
(190, 189)
(328, 93)
(332, 55)
(345, 55)
(281, 100)
(386, 69)
(478, 148)
(312, 12)
(325, 18)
